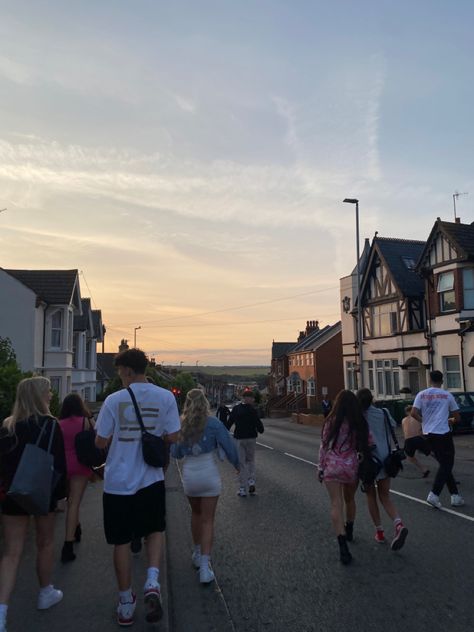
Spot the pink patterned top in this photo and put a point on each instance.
(339, 463)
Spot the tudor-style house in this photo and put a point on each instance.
(88, 331)
(37, 314)
(447, 266)
(395, 348)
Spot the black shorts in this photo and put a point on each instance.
(419, 443)
(136, 516)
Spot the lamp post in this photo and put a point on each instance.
(135, 329)
(359, 307)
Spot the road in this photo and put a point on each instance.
(276, 559)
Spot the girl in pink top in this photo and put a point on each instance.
(73, 418)
(345, 433)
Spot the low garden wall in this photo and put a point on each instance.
(307, 419)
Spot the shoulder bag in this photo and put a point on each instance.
(32, 485)
(369, 467)
(153, 447)
(393, 463)
(87, 452)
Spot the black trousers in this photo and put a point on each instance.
(443, 450)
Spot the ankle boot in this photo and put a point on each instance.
(345, 554)
(67, 554)
(78, 532)
(349, 528)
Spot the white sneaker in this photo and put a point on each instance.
(242, 492)
(125, 611)
(457, 500)
(152, 598)
(196, 559)
(49, 598)
(206, 574)
(3, 625)
(434, 501)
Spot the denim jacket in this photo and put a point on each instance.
(215, 435)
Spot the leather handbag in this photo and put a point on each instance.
(86, 451)
(153, 447)
(32, 484)
(369, 467)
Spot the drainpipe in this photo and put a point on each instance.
(44, 341)
(461, 334)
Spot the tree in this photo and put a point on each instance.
(10, 375)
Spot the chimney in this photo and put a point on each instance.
(457, 220)
(301, 336)
(123, 345)
(311, 326)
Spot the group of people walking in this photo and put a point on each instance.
(134, 493)
(355, 429)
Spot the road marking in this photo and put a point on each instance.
(298, 458)
(393, 491)
(423, 502)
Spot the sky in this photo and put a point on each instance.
(191, 158)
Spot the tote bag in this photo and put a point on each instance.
(32, 484)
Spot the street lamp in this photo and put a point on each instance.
(359, 307)
(135, 329)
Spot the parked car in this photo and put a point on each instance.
(465, 401)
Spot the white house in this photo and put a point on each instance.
(37, 314)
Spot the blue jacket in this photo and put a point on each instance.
(215, 434)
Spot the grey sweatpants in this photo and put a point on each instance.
(246, 461)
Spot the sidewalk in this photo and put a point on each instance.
(88, 583)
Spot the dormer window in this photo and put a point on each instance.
(409, 262)
(447, 298)
(56, 329)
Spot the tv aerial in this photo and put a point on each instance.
(455, 197)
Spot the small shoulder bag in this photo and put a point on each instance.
(393, 463)
(153, 447)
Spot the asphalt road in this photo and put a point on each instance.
(276, 558)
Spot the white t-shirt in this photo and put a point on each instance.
(435, 404)
(125, 470)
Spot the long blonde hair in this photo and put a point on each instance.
(30, 401)
(195, 413)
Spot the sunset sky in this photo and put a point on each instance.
(191, 158)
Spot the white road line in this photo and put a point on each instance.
(423, 502)
(298, 458)
(265, 446)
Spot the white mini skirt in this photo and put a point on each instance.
(201, 476)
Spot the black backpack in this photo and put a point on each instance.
(86, 451)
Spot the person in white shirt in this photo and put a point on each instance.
(134, 492)
(433, 407)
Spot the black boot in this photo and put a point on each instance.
(78, 532)
(349, 528)
(346, 557)
(67, 554)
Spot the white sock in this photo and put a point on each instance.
(197, 549)
(397, 521)
(3, 611)
(126, 596)
(205, 560)
(379, 528)
(153, 574)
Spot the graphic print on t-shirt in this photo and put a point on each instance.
(129, 427)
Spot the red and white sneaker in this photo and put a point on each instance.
(400, 536)
(379, 535)
(125, 611)
(152, 597)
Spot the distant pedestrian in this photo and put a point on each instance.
(134, 492)
(326, 405)
(380, 491)
(345, 433)
(200, 437)
(30, 418)
(414, 440)
(74, 417)
(223, 414)
(247, 427)
(434, 407)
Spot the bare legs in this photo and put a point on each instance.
(15, 529)
(77, 486)
(203, 511)
(341, 494)
(383, 492)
